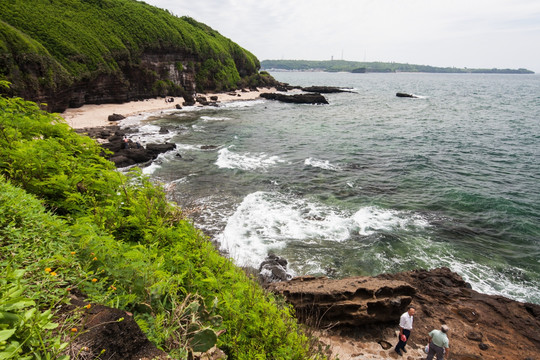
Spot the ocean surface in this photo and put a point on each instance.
(370, 183)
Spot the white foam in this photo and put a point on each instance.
(246, 161)
(323, 164)
(214, 118)
(371, 219)
(198, 128)
(265, 221)
(241, 104)
(156, 164)
(269, 221)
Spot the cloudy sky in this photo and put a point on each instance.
(460, 33)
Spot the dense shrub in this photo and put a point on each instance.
(69, 220)
(70, 41)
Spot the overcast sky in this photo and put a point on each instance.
(460, 33)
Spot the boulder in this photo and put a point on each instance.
(272, 269)
(116, 117)
(349, 302)
(311, 98)
(188, 100)
(202, 100)
(157, 149)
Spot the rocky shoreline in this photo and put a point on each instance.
(357, 318)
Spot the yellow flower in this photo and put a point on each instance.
(73, 253)
(48, 270)
(95, 258)
(88, 306)
(53, 273)
(112, 287)
(94, 280)
(74, 330)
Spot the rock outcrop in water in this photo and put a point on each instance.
(126, 154)
(363, 309)
(311, 98)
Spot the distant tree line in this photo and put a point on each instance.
(377, 66)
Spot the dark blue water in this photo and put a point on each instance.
(371, 183)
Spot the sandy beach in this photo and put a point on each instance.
(97, 115)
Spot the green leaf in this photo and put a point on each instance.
(6, 334)
(203, 340)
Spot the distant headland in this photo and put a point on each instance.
(376, 66)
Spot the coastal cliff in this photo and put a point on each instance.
(67, 53)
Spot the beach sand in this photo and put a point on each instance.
(89, 116)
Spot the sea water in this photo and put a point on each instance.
(370, 183)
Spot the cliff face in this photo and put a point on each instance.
(155, 75)
(66, 53)
(482, 327)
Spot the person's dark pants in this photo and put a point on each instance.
(401, 344)
(435, 350)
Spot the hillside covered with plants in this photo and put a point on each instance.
(71, 52)
(375, 66)
(71, 224)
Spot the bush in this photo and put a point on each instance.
(117, 239)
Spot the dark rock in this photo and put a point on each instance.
(384, 344)
(208, 147)
(323, 89)
(283, 88)
(157, 149)
(213, 98)
(178, 106)
(400, 94)
(483, 346)
(188, 100)
(163, 130)
(116, 117)
(121, 161)
(202, 100)
(311, 98)
(273, 268)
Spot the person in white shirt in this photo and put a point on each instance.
(405, 327)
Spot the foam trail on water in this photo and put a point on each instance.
(323, 164)
(241, 104)
(246, 161)
(371, 219)
(215, 118)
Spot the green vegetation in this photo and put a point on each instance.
(50, 45)
(69, 220)
(361, 67)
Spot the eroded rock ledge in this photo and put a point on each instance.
(483, 327)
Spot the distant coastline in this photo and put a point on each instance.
(377, 67)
